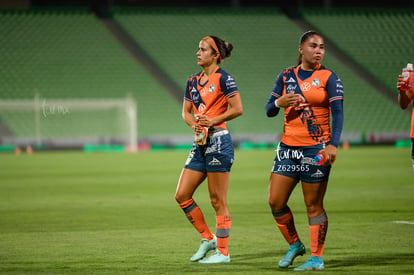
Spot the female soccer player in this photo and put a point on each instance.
(211, 98)
(405, 98)
(309, 93)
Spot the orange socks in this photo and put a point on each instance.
(286, 224)
(318, 227)
(195, 216)
(223, 225)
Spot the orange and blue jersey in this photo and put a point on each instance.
(309, 123)
(209, 98)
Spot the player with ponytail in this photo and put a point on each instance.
(211, 99)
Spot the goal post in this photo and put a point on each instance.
(53, 122)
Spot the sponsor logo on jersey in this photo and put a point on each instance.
(203, 91)
(195, 97)
(305, 86)
(339, 87)
(201, 108)
(230, 83)
(291, 88)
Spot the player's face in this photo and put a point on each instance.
(205, 56)
(312, 50)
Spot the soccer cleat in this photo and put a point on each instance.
(313, 263)
(295, 250)
(216, 258)
(205, 247)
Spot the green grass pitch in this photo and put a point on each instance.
(115, 213)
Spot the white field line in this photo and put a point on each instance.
(404, 222)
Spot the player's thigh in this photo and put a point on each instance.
(188, 183)
(280, 189)
(218, 184)
(313, 195)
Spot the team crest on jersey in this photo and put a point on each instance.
(305, 86)
(212, 88)
(316, 82)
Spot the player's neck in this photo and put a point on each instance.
(309, 66)
(209, 70)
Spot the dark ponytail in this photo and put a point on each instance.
(223, 46)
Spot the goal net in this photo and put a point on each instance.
(58, 123)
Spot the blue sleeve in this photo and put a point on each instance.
(335, 91)
(271, 109)
(228, 85)
(337, 121)
(187, 95)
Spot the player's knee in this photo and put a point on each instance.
(314, 209)
(272, 204)
(276, 204)
(180, 197)
(217, 203)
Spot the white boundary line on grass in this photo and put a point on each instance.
(404, 222)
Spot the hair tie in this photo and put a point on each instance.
(211, 42)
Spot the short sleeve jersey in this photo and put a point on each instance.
(310, 123)
(209, 98)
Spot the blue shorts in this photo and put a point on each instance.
(216, 156)
(298, 163)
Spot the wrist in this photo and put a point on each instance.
(333, 144)
(277, 105)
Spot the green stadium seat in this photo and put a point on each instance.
(70, 54)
